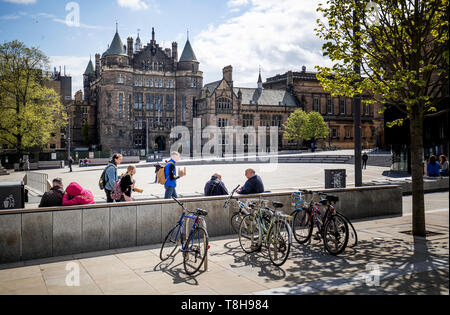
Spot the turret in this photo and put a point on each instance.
(130, 46)
(175, 51)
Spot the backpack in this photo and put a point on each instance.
(102, 180)
(117, 193)
(161, 175)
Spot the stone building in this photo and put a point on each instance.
(337, 111)
(222, 104)
(133, 84)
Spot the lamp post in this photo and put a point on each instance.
(357, 106)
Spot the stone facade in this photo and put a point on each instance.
(337, 112)
(131, 85)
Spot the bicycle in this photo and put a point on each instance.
(243, 210)
(352, 236)
(270, 227)
(332, 228)
(196, 246)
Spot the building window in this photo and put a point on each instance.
(138, 82)
(222, 122)
(348, 132)
(247, 120)
(342, 107)
(149, 101)
(120, 79)
(330, 109)
(171, 84)
(121, 133)
(264, 121)
(223, 103)
(149, 82)
(316, 104)
(183, 112)
(334, 133)
(169, 102)
(277, 120)
(120, 106)
(138, 125)
(138, 140)
(193, 83)
(367, 109)
(138, 101)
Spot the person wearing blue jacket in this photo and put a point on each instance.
(254, 184)
(433, 166)
(111, 175)
(170, 172)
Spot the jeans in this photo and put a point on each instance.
(170, 192)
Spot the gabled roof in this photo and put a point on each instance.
(212, 86)
(116, 47)
(188, 54)
(267, 97)
(89, 68)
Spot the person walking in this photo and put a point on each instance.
(365, 157)
(215, 186)
(127, 184)
(433, 166)
(254, 184)
(70, 163)
(170, 173)
(111, 176)
(54, 197)
(77, 195)
(444, 165)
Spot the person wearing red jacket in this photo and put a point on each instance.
(77, 195)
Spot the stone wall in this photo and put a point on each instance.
(39, 233)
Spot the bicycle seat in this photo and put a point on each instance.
(324, 202)
(201, 212)
(277, 204)
(252, 205)
(332, 198)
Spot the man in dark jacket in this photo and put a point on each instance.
(54, 197)
(254, 184)
(215, 186)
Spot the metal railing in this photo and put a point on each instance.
(37, 181)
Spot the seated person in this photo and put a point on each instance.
(254, 184)
(444, 165)
(215, 186)
(77, 195)
(433, 166)
(54, 197)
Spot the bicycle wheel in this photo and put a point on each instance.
(279, 242)
(236, 220)
(302, 226)
(195, 251)
(170, 243)
(352, 235)
(335, 235)
(249, 234)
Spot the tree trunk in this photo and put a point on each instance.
(418, 211)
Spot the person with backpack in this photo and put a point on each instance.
(126, 185)
(215, 186)
(109, 176)
(170, 176)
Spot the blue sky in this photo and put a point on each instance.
(276, 35)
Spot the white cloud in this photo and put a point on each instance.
(136, 5)
(21, 1)
(278, 36)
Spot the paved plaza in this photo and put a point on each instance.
(386, 261)
(276, 177)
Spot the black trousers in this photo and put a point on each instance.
(108, 195)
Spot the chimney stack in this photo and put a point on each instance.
(175, 51)
(130, 46)
(97, 65)
(228, 74)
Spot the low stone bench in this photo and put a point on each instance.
(46, 232)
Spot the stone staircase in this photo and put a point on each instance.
(318, 159)
(3, 171)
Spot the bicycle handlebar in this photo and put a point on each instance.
(181, 205)
(230, 196)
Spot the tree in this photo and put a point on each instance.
(401, 47)
(30, 111)
(315, 127)
(293, 126)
